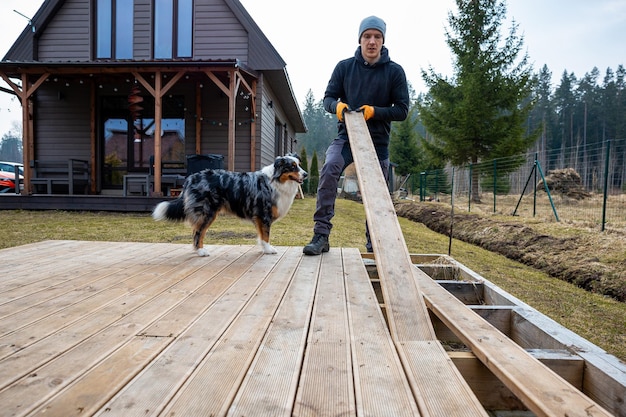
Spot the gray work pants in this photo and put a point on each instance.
(338, 157)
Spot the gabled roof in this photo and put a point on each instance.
(262, 56)
(22, 50)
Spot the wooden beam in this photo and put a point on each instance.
(494, 395)
(232, 112)
(422, 356)
(540, 389)
(93, 136)
(253, 166)
(145, 83)
(408, 320)
(225, 89)
(158, 98)
(172, 82)
(28, 141)
(198, 119)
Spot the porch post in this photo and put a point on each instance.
(157, 133)
(28, 141)
(92, 137)
(232, 100)
(253, 126)
(28, 153)
(198, 119)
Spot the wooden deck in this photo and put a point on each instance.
(79, 202)
(92, 328)
(136, 329)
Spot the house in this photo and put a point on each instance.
(114, 82)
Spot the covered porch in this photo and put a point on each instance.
(214, 102)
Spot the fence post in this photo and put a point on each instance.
(606, 182)
(535, 186)
(495, 180)
(469, 198)
(422, 185)
(451, 214)
(545, 186)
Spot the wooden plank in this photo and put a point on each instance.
(42, 268)
(99, 351)
(212, 387)
(604, 378)
(326, 384)
(381, 386)
(547, 395)
(407, 315)
(494, 395)
(270, 385)
(408, 318)
(68, 321)
(439, 386)
(497, 316)
(216, 305)
(31, 303)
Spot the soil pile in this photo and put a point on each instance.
(566, 182)
(570, 259)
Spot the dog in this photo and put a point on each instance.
(263, 197)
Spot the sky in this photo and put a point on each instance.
(312, 36)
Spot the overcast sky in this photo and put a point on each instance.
(311, 36)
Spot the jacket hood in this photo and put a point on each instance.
(384, 57)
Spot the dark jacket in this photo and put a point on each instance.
(382, 85)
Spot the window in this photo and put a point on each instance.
(173, 28)
(114, 29)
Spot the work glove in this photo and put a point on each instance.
(368, 111)
(340, 109)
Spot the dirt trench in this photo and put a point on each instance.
(562, 258)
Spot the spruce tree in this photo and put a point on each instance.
(480, 112)
(403, 146)
(314, 174)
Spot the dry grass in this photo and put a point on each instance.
(597, 318)
(584, 213)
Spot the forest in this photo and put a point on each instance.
(577, 113)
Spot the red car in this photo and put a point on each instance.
(7, 176)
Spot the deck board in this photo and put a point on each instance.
(138, 329)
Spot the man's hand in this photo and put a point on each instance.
(341, 108)
(368, 111)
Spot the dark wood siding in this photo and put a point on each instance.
(142, 46)
(214, 120)
(268, 127)
(68, 36)
(63, 121)
(217, 33)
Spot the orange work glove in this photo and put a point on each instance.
(368, 111)
(341, 108)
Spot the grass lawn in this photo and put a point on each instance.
(596, 318)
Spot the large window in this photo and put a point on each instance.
(114, 29)
(128, 143)
(173, 28)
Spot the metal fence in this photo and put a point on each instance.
(584, 184)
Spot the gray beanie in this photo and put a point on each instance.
(372, 22)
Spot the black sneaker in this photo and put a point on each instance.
(318, 244)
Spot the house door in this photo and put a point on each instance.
(128, 140)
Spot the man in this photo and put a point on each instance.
(369, 82)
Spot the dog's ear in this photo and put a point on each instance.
(279, 162)
(294, 155)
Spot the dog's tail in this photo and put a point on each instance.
(170, 210)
